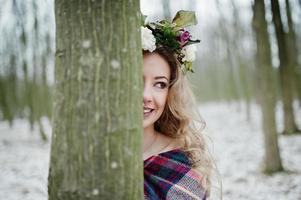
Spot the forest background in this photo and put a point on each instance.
(249, 55)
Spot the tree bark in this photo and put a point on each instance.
(97, 119)
(286, 71)
(293, 52)
(266, 89)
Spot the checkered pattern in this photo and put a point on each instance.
(169, 176)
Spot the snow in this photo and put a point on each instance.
(86, 44)
(236, 144)
(115, 64)
(24, 161)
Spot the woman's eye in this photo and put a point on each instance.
(161, 85)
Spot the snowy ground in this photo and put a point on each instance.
(237, 146)
(238, 150)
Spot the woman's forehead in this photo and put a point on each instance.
(155, 66)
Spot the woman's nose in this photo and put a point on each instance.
(147, 96)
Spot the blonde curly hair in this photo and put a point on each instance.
(180, 117)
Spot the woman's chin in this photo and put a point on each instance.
(146, 123)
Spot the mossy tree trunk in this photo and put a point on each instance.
(266, 89)
(97, 119)
(286, 71)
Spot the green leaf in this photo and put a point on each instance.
(185, 18)
(188, 66)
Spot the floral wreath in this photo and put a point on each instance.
(173, 36)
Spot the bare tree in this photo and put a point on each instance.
(293, 51)
(266, 89)
(286, 71)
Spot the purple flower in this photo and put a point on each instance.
(184, 37)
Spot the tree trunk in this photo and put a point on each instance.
(293, 52)
(97, 116)
(286, 71)
(166, 9)
(234, 88)
(266, 89)
(243, 74)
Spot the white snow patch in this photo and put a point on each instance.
(95, 192)
(86, 44)
(115, 64)
(114, 165)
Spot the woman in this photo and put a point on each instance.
(176, 162)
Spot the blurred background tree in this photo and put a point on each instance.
(286, 66)
(26, 61)
(266, 92)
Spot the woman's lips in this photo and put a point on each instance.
(147, 111)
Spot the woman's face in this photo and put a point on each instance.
(156, 76)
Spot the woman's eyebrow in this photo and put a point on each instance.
(160, 77)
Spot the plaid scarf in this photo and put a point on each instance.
(169, 176)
